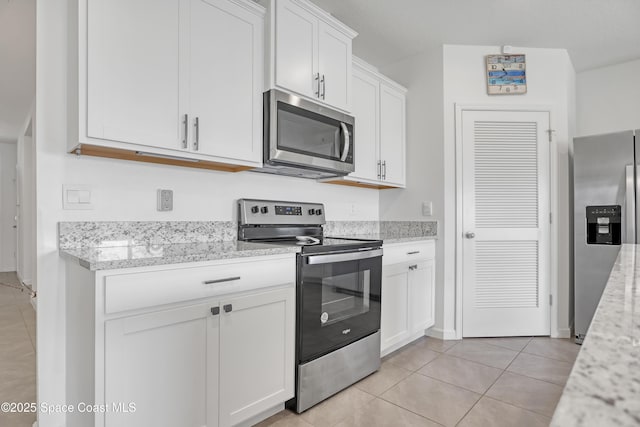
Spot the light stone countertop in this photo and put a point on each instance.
(604, 386)
(115, 257)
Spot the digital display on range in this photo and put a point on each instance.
(288, 210)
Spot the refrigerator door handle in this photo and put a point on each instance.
(630, 202)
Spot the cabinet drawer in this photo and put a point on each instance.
(147, 289)
(402, 252)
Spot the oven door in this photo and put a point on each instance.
(338, 300)
(302, 133)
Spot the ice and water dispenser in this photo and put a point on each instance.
(604, 225)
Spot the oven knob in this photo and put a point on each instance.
(264, 209)
(254, 209)
(318, 211)
(312, 211)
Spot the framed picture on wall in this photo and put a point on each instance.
(506, 74)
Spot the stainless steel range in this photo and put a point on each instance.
(338, 296)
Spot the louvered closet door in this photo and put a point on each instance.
(505, 242)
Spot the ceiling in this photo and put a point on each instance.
(17, 65)
(594, 32)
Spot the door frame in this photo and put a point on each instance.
(553, 208)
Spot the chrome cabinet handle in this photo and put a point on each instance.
(324, 86)
(227, 279)
(347, 142)
(196, 141)
(227, 308)
(215, 310)
(379, 170)
(469, 234)
(413, 252)
(384, 170)
(185, 123)
(317, 79)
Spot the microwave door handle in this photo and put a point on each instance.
(347, 142)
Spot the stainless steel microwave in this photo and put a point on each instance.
(305, 139)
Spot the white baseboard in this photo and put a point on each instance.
(562, 333)
(262, 416)
(442, 334)
(34, 304)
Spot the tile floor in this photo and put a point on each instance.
(475, 382)
(17, 350)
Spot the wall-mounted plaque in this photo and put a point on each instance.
(506, 74)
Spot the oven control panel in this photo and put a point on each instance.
(273, 212)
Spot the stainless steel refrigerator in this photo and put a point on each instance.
(606, 192)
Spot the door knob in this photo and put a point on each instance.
(469, 234)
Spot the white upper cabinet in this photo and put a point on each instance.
(225, 80)
(366, 109)
(392, 135)
(184, 81)
(310, 53)
(379, 107)
(133, 81)
(296, 61)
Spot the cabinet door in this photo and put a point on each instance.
(225, 80)
(334, 60)
(421, 297)
(133, 81)
(166, 363)
(366, 91)
(256, 354)
(297, 49)
(392, 134)
(395, 321)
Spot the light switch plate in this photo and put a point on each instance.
(76, 197)
(165, 200)
(427, 208)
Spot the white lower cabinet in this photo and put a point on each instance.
(408, 284)
(166, 364)
(221, 359)
(256, 354)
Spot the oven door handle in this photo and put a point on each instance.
(347, 256)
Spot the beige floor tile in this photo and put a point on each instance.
(17, 419)
(554, 348)
(490, 355)
(380, 413)
(412, 357)
(284, 418)
(490, 412)
(463, 373)
(527, 393)
(28, 314)
(337, 408)
(10, 317)
(512, 343)
(436, 344)
(379, 382)
(433, 399)
(541, 368)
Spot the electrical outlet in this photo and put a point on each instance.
(165, 200)
(427, 208)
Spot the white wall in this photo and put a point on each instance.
(549, 80)
(422, 76)
(608, 99)
(8, 159)
(127, 191)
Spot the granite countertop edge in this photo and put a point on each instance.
(604, 385)
(118, 257)
(94, 259)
